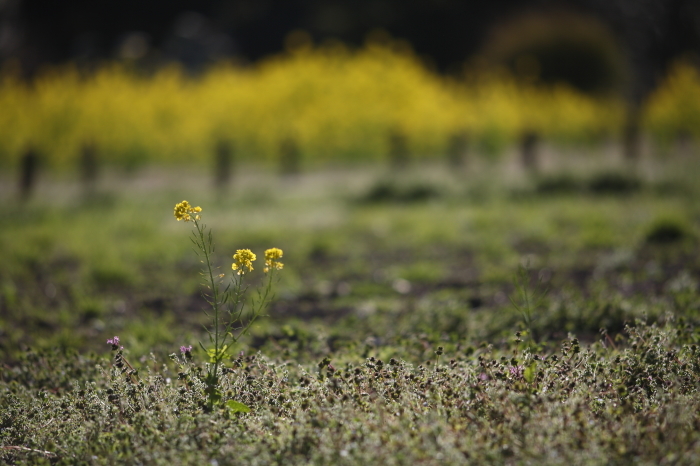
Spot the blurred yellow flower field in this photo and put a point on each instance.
(674, 109)
(336, 104)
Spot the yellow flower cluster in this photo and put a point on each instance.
(272, 257)
(244, 259)
(184, 210)
(336, 103)
(673, 109)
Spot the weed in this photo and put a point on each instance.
(527, 301)
(390, 191)
(667, 230)
(599, 403)
(614, 183)
(228, 321)
(558, 184)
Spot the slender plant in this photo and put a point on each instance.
(231, 316)
(526, 300)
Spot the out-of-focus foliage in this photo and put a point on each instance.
(337, 104)
(674, 109)
(499, 109)
(558, 46)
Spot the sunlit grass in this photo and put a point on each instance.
(93, 267)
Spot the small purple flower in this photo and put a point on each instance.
(186, 351)
(115, 343)
(516, 372)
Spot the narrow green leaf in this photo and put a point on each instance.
(213, 356)
(236, 407)
(530, 372)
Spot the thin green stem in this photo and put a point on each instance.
(261, 302)
(206, 248)
(223, 329)
(238, 281)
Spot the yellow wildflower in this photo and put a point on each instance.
(272, 257)
(184, 209)
(244, 259)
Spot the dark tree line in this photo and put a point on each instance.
(448, 31)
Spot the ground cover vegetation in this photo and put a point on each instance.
(500, 319)
(334, 104)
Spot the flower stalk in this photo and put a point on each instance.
(228, 303)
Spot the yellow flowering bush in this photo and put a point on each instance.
(335, 103)
(674, 108)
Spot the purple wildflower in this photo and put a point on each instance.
(516, 372)
(186, 351)
(114, 342)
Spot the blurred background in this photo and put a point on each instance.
(340, 81)
(406, 154)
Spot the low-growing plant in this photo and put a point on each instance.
(666, 230)
(527, 300)
(631, 399)
(391, 191)
(366, 369)
(564, 183)
(614, 183)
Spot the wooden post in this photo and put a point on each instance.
(684, 143)
(223, 165)
(89, 168)
(528, 151)
(457, 150)
(29, 166)
(290, 157)
(398, 150)
(631, 140)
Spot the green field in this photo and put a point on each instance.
(402, 282)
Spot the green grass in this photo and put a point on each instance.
(365, 280)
